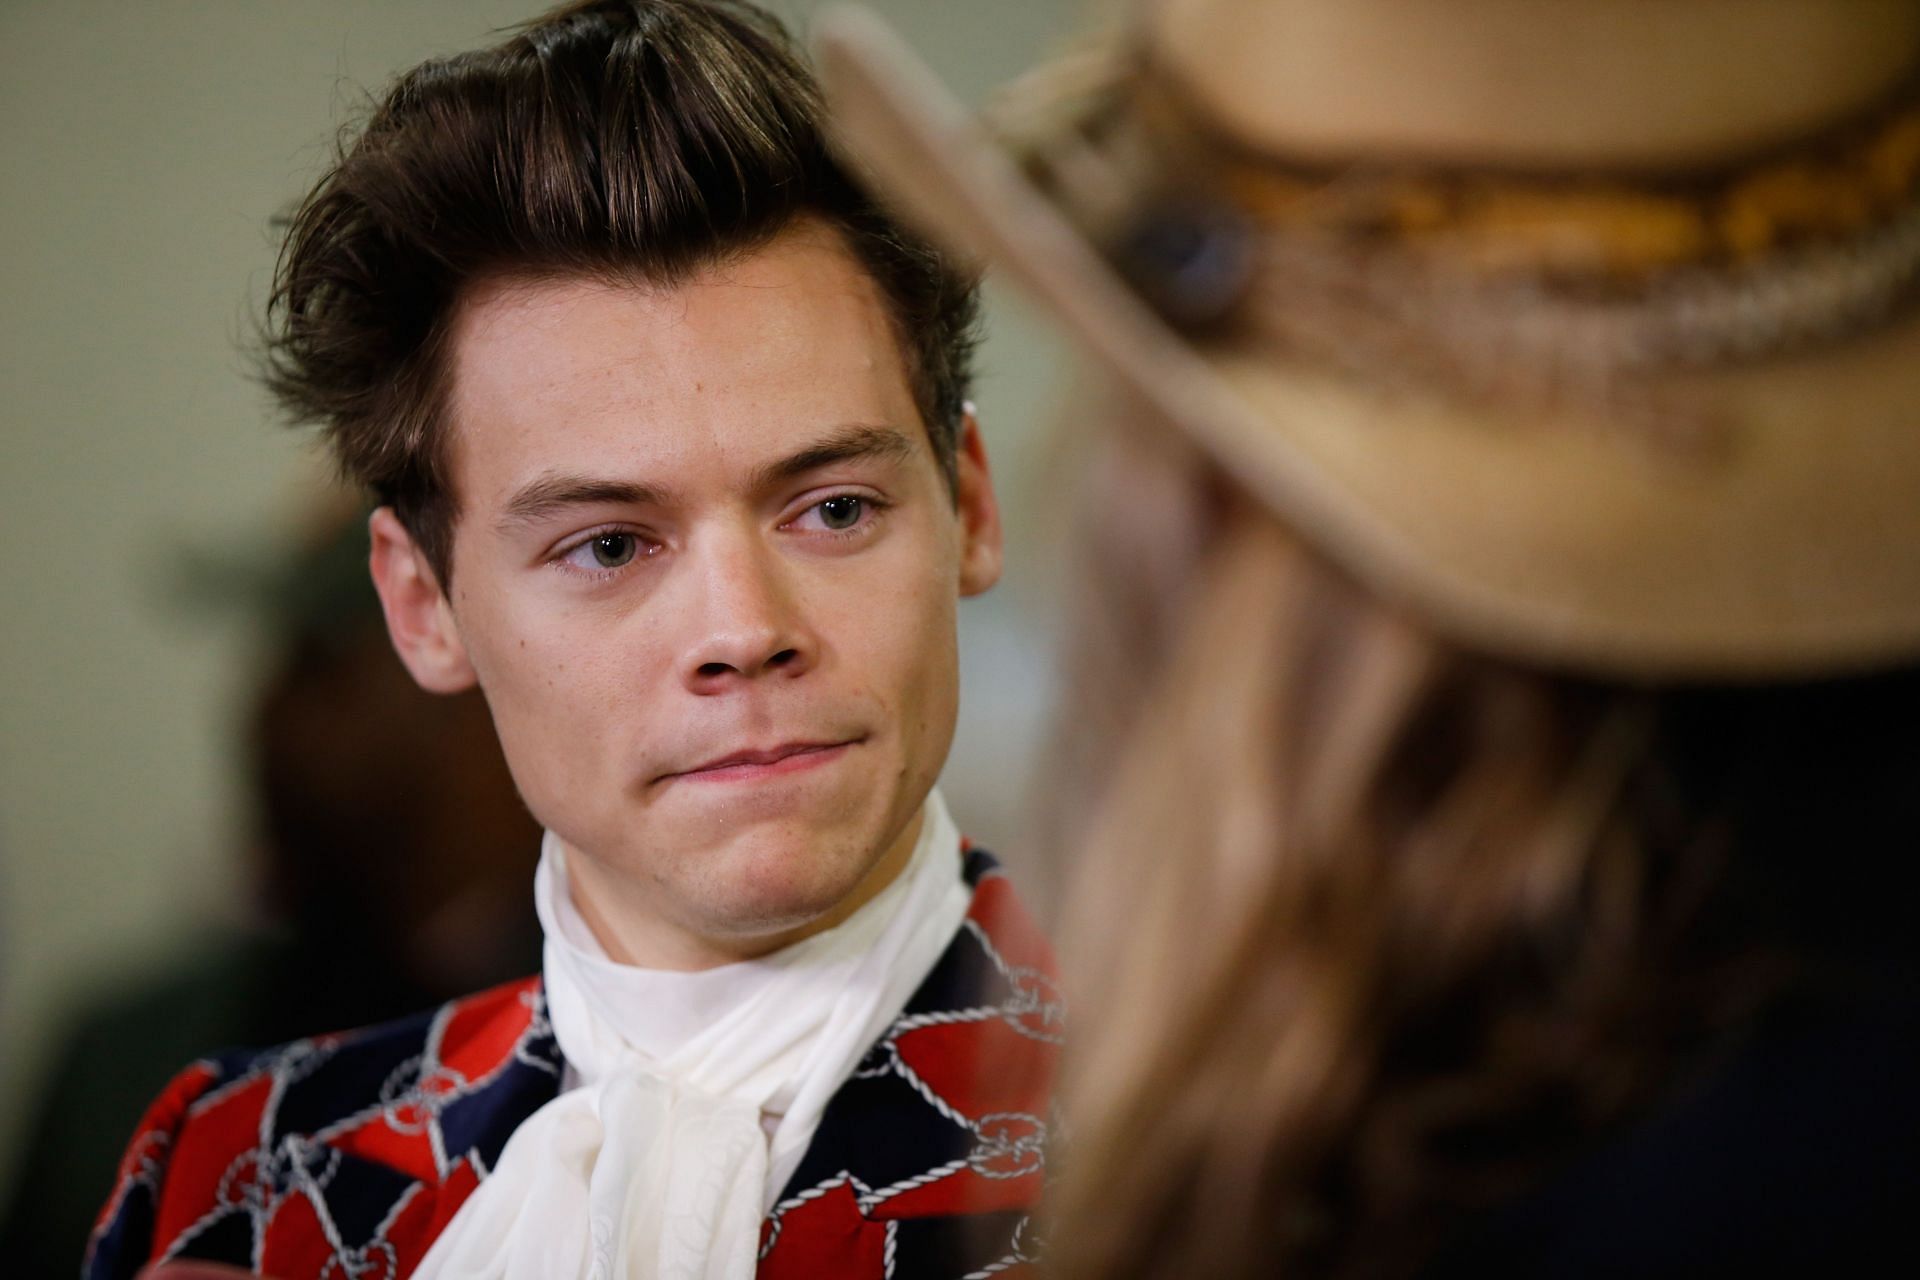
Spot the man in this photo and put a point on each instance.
(667, 425)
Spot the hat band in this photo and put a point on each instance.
(1518, 285)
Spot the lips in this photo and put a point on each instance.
(762, 762)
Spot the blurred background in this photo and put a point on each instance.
(196, 703)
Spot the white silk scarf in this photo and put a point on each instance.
(658, 1165)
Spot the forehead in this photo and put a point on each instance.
(735, 365)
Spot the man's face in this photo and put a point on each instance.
(706, 568)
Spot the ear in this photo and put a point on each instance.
(418, 616)
(981, 545)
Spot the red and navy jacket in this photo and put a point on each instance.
(346, 1155)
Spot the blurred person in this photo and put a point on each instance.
(1492, 776)
(389, 869)
(667, 425)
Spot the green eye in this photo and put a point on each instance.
(611, 550)
(842, 512)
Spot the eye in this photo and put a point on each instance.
(850, 514)
(842, 512)
(611, 550)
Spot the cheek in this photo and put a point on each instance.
(557, 690)
(912, 660)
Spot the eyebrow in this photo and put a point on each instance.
(544, 496)
(846, 445)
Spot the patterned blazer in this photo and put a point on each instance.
(343, 1157)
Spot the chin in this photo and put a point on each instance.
(773, 881)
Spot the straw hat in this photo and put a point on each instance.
(1583, 328)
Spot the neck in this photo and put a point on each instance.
(630, 934)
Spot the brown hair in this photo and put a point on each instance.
(632, 139)
(1368, 930)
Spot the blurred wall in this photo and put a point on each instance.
(146, 147)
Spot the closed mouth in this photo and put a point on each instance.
(743, 766)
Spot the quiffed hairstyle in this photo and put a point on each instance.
(634, 140)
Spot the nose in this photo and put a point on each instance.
(747, 623)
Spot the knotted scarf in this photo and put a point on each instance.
(693, 1095)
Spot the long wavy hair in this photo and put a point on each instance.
(1369, 931)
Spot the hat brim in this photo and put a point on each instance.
(1551, 541)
